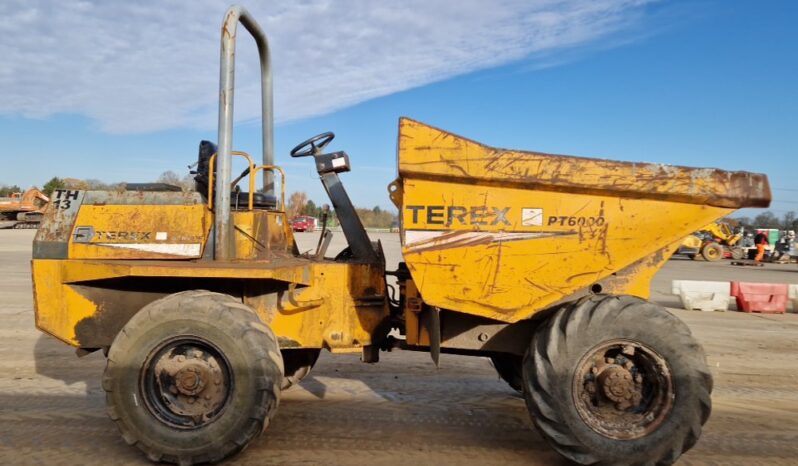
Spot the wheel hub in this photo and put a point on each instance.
(186, 384)
(623, 389)
(191, 380)
(617, 385)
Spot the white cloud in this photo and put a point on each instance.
(146, 65)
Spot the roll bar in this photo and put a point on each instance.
(253, 170)
(223, 243)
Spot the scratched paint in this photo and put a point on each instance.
(505, 234)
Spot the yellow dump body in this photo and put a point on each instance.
(504, 234)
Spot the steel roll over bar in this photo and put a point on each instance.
(223, 244)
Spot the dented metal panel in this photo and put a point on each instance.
(123, 225)
(430, 153)
(504, 234)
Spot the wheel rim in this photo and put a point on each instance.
(623, 389)
(186, 382)
(712, 252)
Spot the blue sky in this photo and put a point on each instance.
(704, 83)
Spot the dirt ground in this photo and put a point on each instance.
(402, 410)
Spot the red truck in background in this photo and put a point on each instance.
(303, 223)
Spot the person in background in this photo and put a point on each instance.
(761, 242)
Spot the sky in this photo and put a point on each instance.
(123, 91)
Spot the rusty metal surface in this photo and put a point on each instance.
(623, 389)
(186, 383)
(55, 232)
(431, 153)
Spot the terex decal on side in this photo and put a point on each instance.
(450, 215)
(123, 235)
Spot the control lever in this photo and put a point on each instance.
(326, 235)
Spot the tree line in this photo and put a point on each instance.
(7, 191)
(767, 219)
(299, 204)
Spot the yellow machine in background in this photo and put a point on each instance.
(207, 311)
(713, 242)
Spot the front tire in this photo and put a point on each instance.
(193, 378)
(619, 381)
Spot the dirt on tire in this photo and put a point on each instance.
(216, 402)
(589, 434)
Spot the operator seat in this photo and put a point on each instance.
(238, 200)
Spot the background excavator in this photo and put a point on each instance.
(713, 242)
(23, 210)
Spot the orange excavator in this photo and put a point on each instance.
(23, 210)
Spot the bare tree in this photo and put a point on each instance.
(789, 221)
(766, 220)
(169, 177)
(296, 203)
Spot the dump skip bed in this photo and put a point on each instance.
(505, 234)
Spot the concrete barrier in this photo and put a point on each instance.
(761, 297)
(697, 295)
(793, 302)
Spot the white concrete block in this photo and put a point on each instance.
(703, 295)
(792, 301)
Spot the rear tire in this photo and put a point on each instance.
(737, 253)
(298, 363)
(587, 408)
(509, 367)
(193, 378)
(712, 252)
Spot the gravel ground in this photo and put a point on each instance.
(402, 410)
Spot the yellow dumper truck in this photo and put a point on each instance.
(207, 311)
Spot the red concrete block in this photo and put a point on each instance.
(760, 297)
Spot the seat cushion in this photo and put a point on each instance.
(259, 200)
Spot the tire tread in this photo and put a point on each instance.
(235, 315)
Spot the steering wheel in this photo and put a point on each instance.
(313, 145)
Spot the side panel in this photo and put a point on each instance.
(503, 234)
(505, 253)
(338, 306)
(139, 232)
(122, 225)
(344, 310)
(59, 308)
